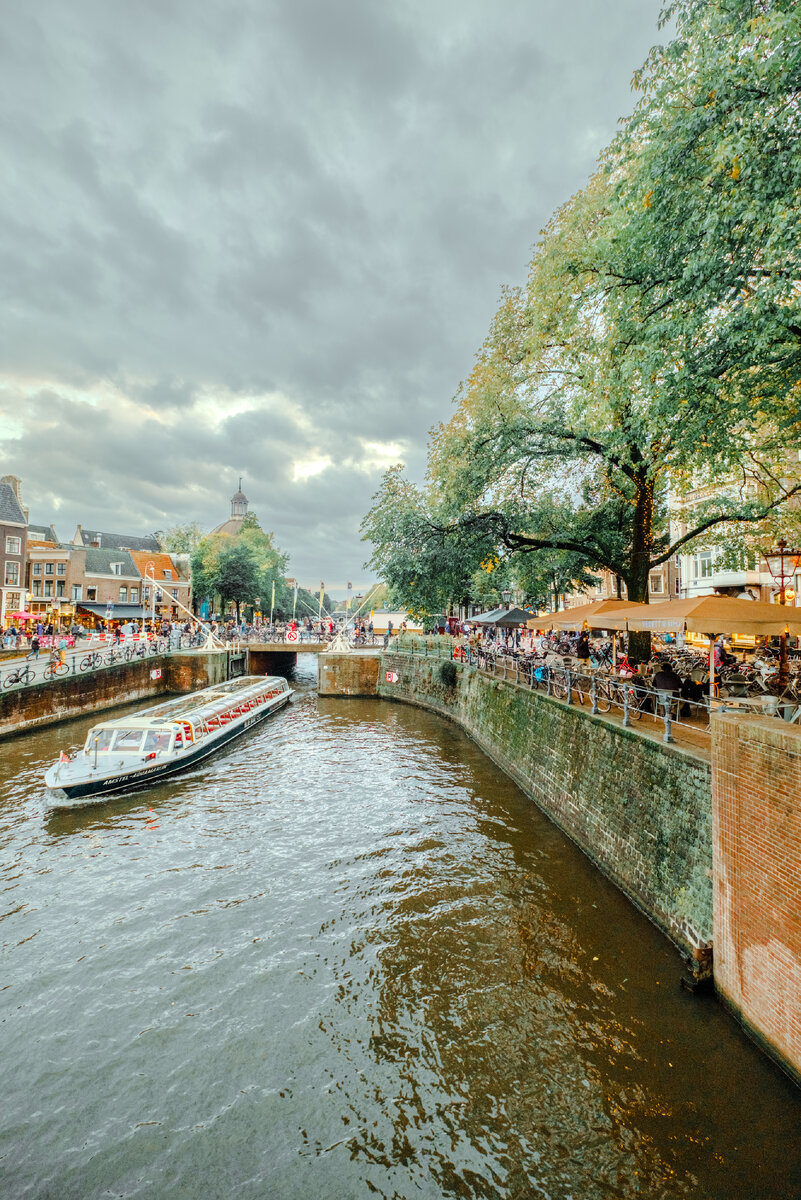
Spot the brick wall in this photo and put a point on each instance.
(756, 829)
(47, 703)
(348, 674)
(640, 810)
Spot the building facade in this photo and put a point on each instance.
(13, 549)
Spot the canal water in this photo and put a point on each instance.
(348, 958)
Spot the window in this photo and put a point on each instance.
(91, 593)
(146, 593)
(175, 593)
(123, 595)
(656, 585)
(116, 568)
(134, 595)
(37, 587)
(77, 592)
(167, 573)
(37, 568)
(48, 587)
(13, 545)
(60, 588)
(12, 574)
(48, 568)
(61, 568)
(705, 568)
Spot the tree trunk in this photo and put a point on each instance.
(640, 563)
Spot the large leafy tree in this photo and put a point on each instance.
(653, 352)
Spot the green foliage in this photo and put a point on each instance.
(448, 674)
(654, 351)
(181, 539)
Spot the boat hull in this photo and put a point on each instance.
(95, 790)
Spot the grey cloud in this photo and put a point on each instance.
(309, 206)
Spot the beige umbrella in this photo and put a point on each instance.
(576, 618)
(711, 615)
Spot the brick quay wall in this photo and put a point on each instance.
(641, 810)
(32, 707)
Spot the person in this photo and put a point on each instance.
(62, 649)
(34, 650)
(666, 679)
(583, 645)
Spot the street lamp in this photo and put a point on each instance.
(783, 564)
(506, 596)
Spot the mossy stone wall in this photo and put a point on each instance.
(640, 810)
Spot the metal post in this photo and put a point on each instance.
(548, 681)
(569, 682)
(517, 670)
(666, 701)
(626, 717)
(594, 695)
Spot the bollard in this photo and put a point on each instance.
(569, 683)
(666, 699)
(626, 692)
(548, 681)
(594, 695)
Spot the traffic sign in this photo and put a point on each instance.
(392, 677)
(291, 635)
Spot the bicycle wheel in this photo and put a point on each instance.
(603, 701)
(559, 685)
(11, 679)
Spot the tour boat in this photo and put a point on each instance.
(140, 749)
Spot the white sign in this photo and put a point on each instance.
(155, 674)
(392, 677)
(291, 635)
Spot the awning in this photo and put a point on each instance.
(500, 616)
(711, 615)
(119, 612)
(575, 618)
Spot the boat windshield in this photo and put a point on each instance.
(128, 740)
(155, 740)
(99, 739)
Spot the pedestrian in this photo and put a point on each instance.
(34, 650)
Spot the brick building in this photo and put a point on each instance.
(13, 547)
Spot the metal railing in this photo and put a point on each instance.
(95, 656)
(601, 692)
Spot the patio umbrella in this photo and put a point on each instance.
(710, 615)
(576, 618)
(501, 616)
(22, 616)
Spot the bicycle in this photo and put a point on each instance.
(55, 668)
(90, 661)
(19, 675)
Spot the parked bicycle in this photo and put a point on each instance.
(21, 675)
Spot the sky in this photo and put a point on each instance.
(266, 238)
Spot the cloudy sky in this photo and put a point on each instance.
(266, 237)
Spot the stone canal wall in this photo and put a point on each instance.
(757, 873)
(45, 704)
(640, 810)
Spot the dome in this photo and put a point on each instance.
(231, 526)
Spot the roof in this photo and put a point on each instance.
(231, 526)
(43, 533)
(118, 541)
(10, 507)
(98, 562)
(161, 562)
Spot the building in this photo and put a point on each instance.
(115, 541)
(165, 589)
(239, 508)
(13, 548)
(54, 576)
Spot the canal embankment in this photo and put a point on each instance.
(706, 843)
(25, 708)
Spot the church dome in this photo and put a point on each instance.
(239, 508)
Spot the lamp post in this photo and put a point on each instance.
(150, 573)
(506, 596)
(783, 564)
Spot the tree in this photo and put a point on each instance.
(653, 352)
(181, 539)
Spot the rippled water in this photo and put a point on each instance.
(348, 958)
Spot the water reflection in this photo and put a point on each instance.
(347, 957)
